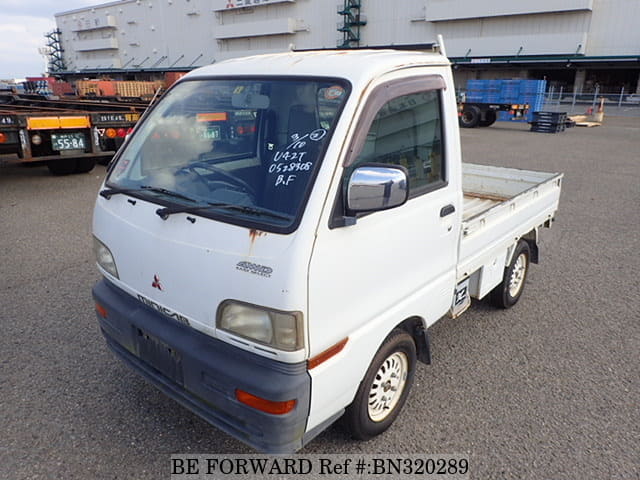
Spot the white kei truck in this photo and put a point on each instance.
(279, 232)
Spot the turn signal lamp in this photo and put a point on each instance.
(111, 133)
(327, 354)
(264, 405)
(101, 310)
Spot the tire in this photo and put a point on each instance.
(384, 389)
(85, 165)
(507, 294)
(470, 117)
(62, 167)
(490, 118)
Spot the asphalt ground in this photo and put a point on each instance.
(547, 390)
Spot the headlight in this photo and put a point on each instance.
(104, 257)
(282, 330)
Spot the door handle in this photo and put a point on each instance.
(447, 210)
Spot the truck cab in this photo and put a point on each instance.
(279, 232)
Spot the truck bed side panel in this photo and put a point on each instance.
(501, 205)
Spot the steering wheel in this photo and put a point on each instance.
(231, 180)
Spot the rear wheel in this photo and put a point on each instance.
(470, 117)
(384, 389)
(63, 166)
(489, 119)
(508, 293)
(85, 165)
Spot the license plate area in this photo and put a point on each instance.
(68, 141)
(159, 355)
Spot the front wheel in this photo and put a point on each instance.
(508, 293)
(384, 389)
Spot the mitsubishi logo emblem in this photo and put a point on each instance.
(156, 283)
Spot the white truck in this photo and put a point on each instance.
(279, 232)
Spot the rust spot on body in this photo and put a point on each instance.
(254, 234)
(486, 196)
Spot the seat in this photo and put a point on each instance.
(301, 121)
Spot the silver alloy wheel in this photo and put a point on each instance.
(516, 281)
(387, 386)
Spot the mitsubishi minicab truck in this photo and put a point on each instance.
(279, 232)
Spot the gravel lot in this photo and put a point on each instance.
(548, 389)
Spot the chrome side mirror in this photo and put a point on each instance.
(377, 187)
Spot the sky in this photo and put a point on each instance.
(23, 24)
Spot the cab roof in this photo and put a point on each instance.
(355, 65)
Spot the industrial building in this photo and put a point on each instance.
(577, 45)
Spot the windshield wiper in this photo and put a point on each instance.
(108, 192)
(164, 213)
(165, 191)
(259, 211)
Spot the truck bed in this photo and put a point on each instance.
(478, 203)
(501, 205)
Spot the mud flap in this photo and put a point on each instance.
(461, 299)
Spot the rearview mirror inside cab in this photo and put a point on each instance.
(248, 100)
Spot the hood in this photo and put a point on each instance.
(186, 265)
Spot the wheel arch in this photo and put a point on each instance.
(532, 239)
(416, 327)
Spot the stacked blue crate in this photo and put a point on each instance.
(483, 91)
(510, 91)
(530, 92)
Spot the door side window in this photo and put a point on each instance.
(407, 131)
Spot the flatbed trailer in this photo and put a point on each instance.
(70, 135)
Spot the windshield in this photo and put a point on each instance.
(244, 151)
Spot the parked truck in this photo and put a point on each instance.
(275, 285)
(485, 101)
(69, 135)
(485, 114)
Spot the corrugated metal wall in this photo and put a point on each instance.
(176, 33)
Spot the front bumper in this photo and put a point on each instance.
(202, 373)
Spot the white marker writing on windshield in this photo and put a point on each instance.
(281, 180)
